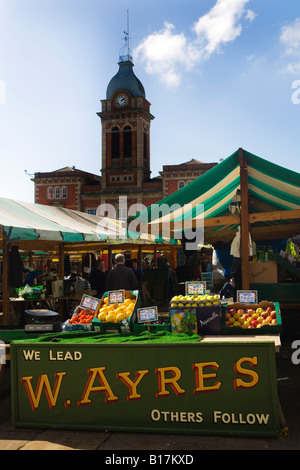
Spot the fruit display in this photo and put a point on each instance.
(82, 317)
(195, 300)
(115, 313)
(250, 318)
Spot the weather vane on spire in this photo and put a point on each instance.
(123, 56)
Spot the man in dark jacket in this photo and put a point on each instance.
(98, 278)
(121, 277)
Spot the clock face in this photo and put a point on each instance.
(121, 100)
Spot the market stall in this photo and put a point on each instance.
(204, 373)
(243, 192)
(28, 228)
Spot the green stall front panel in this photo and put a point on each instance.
(220, 388)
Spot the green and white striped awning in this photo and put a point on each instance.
(28, 221)
(272, 190)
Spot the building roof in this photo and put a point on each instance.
(126, 80)
(68, 171)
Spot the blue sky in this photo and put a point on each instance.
(219, 74)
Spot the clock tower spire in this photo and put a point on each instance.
(125, 121)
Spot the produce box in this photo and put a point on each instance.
(183, 320)
(117, 316)
(83, 314)
(199, 314)
(209, 320)
(261, 273)
(251, 319)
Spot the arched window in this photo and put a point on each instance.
(127, 142)
(65, 192)
(50, 193)
(127, 147)
(115, 142)
(57, 193)
(181, 184)
(146, 146)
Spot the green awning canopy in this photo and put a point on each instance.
(28, 221)
(272, 189)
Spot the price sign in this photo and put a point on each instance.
(195, 287)
(247, 296)
(148, 314)
(89, 302)
(116, 297)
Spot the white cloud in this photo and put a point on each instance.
(221, 24)
(168, 54)
(290, 39)
(164, 51)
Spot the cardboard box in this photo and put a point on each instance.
(209, 320)
(183, 320)
(261, 273)
(57, 288)
(197, 320)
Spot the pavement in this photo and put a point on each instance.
(288, 380)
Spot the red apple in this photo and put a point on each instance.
(240, 311)
(265, 314)
(273, 314)
(254, 323)
(232, 311)
(274, 321)
(269, 309)
(250, 311)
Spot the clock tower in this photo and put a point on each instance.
(125, 120)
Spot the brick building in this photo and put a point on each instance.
(126, 123)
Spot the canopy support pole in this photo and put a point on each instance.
(244, 221)
(6, 296)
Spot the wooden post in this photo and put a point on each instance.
(140, 256)
(61, 262)
(244, 221)
(6, 296)
(109, 257)
(61, 276)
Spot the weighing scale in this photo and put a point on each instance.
(42, 321)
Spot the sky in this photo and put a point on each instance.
(219, 74)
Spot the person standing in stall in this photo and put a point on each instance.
(121, 277)
(98, 278)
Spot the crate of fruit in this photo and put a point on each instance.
(258, 319)
(84, 314)
(117, 311)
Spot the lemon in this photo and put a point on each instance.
(120, 317)
(110, 318)
(102, 316)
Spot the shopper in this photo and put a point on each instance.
(228, 290)
(138, 273)
(98, 278)
(121, 277)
